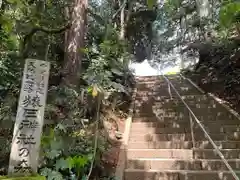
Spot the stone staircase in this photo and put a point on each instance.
(164, 145)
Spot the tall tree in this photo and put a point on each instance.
(74, 41)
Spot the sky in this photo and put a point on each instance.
(144, 69)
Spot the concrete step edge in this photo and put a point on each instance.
(187, 133)
(178, 159)
(196, 126)
(184, 130)
(196, 149)
(178, 171)
(180, 141)
(183, 96)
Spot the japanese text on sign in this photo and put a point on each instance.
(29, 120)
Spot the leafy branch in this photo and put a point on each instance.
(27, 40)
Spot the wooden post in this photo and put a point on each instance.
(29, 120)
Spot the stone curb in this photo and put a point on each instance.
(119, 174)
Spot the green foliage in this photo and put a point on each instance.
(106, 64)
(151, 3)
(51, 174)
(67, 140)
(230, 14)
(60, 160)
(23, 178)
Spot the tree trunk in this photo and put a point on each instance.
(122, 23)
(182, 32)
(203, 8)
(74, 42)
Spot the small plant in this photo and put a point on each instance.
(59, 162)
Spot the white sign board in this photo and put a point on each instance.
(29, 121)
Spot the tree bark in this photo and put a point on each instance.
(74, 42)
(203, 8)
(122, 23)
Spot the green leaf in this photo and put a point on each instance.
(47, 139)
(45, 171)
(56, 144)
(89, 89)
(151, 3)
(119, 87)
(61, 164)
(54, 175)
(80, 161)
(90, 157)
(229, 13)
(12, 1)
(61, 127)
(84, 50)
(84, 177)
(52, 154)
(77, 161)
(70, 161)
(7, 23)
(50, 174)
(117, 72)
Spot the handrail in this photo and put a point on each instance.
(203, 129)
(219, 101)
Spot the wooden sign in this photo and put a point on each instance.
(29, 121)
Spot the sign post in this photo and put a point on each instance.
(29, 120)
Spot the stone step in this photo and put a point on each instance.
(158, 101)
(179, 164)
(163, 91)
(185, 115)
(148, 78)
(173, 123)
(201, 114)
(160, 130)
(180, 106)
(183, 118)
(161, 137)
(166, 101)
(160, 119)
(234, 136)
(182, 153)
(160, 80)
(161, 124)
(181, 85)
(139, 174)
(159, 145)
(151, 110)
(160, 140)
(152, 144)
(220, 125)
(187, 98)
(162, 84)
(170, 77)
(153, 105)
(186, 129)
(195, 98)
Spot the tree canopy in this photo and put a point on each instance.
(89, 44)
